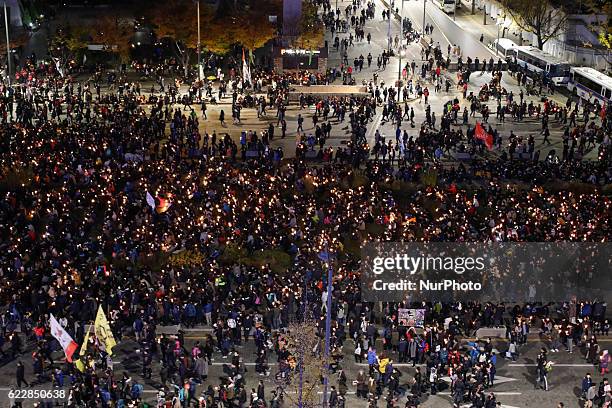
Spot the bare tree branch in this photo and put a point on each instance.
(537, 17)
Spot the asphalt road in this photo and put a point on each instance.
(514, 385)
(446, 31)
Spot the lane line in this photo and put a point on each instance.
(507, 393)
(553, 363)
(433, 20)
(459, 27)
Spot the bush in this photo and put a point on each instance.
(280, 262)
(186, 258)
(13, 178)
(375, 229)
(572, 186)
(429, 178)
(155, 262)
(359, 180)
(352, 247)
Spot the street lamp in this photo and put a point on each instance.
(399, 74)
(424, 5)
(389, 27)
(327, 321)
(497, 23)
(8, 47)
(484, 13)
(199, 48)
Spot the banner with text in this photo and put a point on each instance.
(411, 317)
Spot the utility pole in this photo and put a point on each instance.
(484, 13)
(327, 323)
(199, 48)
(497, 23)
(399, 69)
(8, 47)
(473, 7)
(389, 27)
(424, 5)
(399, 75)
(301, 362)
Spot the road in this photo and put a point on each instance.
(446, 31)
(514, 385)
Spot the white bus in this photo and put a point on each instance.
(504, 47)
(539, 62)
(448, 6)
(590, 84)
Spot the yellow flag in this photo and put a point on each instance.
(79, 365)
(103, 332)
(85, 342)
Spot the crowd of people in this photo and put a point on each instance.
(112, 199)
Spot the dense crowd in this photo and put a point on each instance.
(116, 199)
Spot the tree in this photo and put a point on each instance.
(216, 36)
(250, 26)
(312, 31)
(115, 34)
(603, 25)
(537, 17)
(302, 383)
(66, 44)
(16, 41)
(178, 21)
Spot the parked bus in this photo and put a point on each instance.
(448, 6)
(537, 61)
(504, 47)
(590, 84)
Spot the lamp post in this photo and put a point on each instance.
(497, 23)
(389, 28)
(399, 75)
(8, 47)
(327, 324)
(199, 47)
(400, 51)
(424, 5)
(484, 13)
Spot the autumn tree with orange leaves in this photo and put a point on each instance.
(177, 20)
(16, 41)
(246, 25)
(115, 34)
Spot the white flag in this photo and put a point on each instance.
(63, 338)
(150, 200)
(246, 69)
(58, 67)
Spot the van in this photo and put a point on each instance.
(504, 47)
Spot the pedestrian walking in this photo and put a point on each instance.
(20, 375)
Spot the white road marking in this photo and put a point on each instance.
(499, 379)
(394, 365)
(437, 25)
(554, 365)
(509, 393)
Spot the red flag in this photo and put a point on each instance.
(63, 338)
(481, 134)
